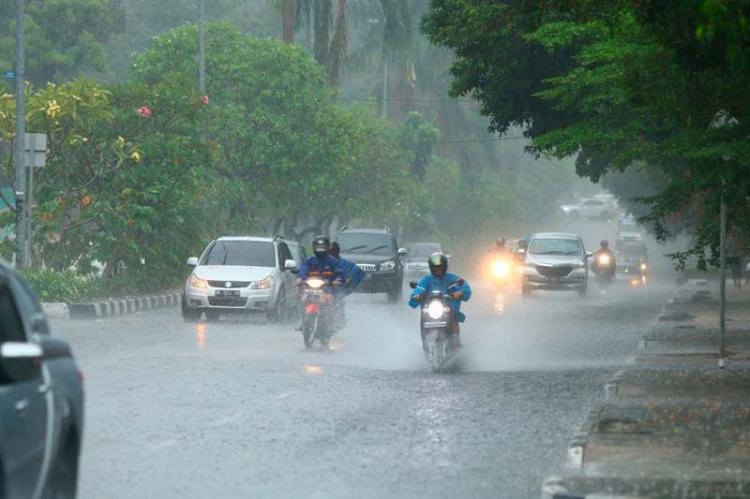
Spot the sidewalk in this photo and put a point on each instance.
(674, 425)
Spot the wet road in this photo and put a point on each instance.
(238, 409)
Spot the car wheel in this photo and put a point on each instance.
(394, 295)
(212, 316)
(189, 314)
(279, 311)
(64, 477)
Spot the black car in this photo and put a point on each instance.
(41, 400)
(376, 252)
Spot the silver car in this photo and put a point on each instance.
(416, 265)
(555, 261)
(241, 274)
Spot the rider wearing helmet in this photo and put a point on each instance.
(440, 279)
(500, 248)
(602, 255)
(322, 264)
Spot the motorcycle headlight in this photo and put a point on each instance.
(198, 283)
(435, 310)
(604, 260)
(500, 268)
(264, 284)
(644, 267)
(389, 265)
(315, 283)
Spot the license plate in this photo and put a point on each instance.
(227, 293)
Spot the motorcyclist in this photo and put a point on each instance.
(322, 264)
(500, 248)
(602, 255)
(440, 279)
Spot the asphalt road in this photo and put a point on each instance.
(239, 409)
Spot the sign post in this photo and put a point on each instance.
(35, 157)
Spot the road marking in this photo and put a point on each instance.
(285, 395)
(163, 445)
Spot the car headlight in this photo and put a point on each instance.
(264, 284)
(435, 310)
(644, 267)
(389, 265)
(198, 283)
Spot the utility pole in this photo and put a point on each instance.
(201, 48)
(385, 83)
(723, 285)
(20, 149)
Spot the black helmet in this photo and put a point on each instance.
(335, 250)
(604, 243)
(438, 260)
(321, 246)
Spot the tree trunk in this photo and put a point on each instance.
(287, 15)
(337, 54)
(323, 21)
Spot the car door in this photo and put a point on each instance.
(23, 407)
(286, 276)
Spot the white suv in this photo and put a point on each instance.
(241, 274)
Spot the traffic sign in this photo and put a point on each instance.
(9, 75)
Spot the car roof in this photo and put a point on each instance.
(556, 235)
(246, 238)
(366, 231)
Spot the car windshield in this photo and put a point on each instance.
(241, 253)
(422, 251)
(632, 249)
(549, 246)
(378, 244)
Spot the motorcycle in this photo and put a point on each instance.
(604, 268)
(318, 312)
(436, 323)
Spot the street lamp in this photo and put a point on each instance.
(20, 152)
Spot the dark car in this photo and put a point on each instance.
(416, 262)
(632, 260)
(41, 400)
(376, 252)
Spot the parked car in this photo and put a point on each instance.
(555, 261)
(41, 399)
(241, 274)
(376, 252)
(416, 265)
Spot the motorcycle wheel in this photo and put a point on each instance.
(309, 331)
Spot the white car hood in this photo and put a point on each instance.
(232, 273)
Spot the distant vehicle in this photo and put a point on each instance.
(41, 399)
(627, 227)
(589, 208)
(416, 265)
(609, 199)
(242, 274)
(376, 252)
(555, 261)
(632, 261)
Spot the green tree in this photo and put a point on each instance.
(64, 38)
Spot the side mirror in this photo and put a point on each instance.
(192, 261)
(21, 361)
(403, 252)
(290, 265)
(521, 251)
(413, 284)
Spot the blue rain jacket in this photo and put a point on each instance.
(430, 283)
(353, 275)
(328, 268)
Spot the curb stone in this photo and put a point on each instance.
(114, 308)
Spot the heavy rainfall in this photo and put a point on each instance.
(374, 248)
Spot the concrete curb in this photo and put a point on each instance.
(123, 306)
